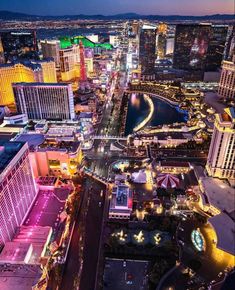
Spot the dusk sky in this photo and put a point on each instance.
(108, 7)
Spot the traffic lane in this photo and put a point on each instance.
(93, 226)
(72, 262)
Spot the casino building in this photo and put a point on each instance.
(17, 187)
(221, 157)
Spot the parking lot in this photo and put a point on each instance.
(125, 274)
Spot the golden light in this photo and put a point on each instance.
(159, 209)
(139, 237)
(140, 214)
(157, 238)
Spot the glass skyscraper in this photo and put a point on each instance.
(19, 45)
(147, 50)
(199, 46)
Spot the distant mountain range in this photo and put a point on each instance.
(8, 15)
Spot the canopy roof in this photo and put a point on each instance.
(139, 177)
(167, 181)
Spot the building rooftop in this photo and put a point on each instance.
(31, 139)
(8, 150)
(146, 26)
(225, 231)
(32, 65)
(5, 136)
(15, 252)
(219, 193)
(231, 112)
(19, 277)
(68, 42)
(47, 208)
(65, 146)
(121, 196)
(41, 84)
(227, 117)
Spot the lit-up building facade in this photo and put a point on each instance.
(161, 40)
(216, 48)
(48, 71)
(199, 46)
(2, 58)
(19, 45)
(10, 73)
(147, 50)
(41, 71)
(230, 45)
(69, 55)
(227, 80)
(44, 101)
(50, 49)
(17, 188)
(56, 158)
(161, 46)
(70, 63)
(221, 157)
(191, 44)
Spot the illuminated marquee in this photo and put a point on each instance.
(198, 240)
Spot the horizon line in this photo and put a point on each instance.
(121, 13)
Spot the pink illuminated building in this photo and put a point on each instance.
(17, 188)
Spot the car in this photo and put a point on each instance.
(181, 242)
(220, 274)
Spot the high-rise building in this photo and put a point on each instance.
(19, 45)
(10, 73)
(41, 71)
(70, 62)
(227, 80)
(199, 46)
(221, 157)
(50, 49)
(83, 76)
(147, 50)
(48, 70)
(162, 28)
(191, 44)
(135, 27)
(17, 187)
(2, 58)
(161, 46)
(216, 47)
(44, 101)
(115, 40)
(170, 45)
(230, 45)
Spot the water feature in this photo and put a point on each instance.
(164, 113)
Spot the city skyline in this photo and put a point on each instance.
(106, 7)
(117, 145)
